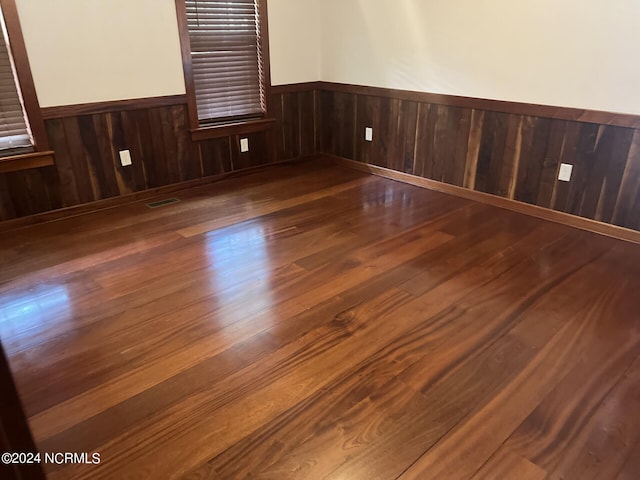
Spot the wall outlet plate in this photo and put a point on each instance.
(244, 145)
(565, 172)
(125, 158)
(368, 134)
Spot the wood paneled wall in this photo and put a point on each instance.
(87, 165)
(295, 132)
(505, 153)
(512, 155)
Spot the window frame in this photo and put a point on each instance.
(42, 154)
(236, 127)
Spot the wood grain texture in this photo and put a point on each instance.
(26, 161)
(295, 129)
(512, 108)
(148, 195)
(250, 331)
(510, 155)
(493, 200)
(87, 166)
(337, 121)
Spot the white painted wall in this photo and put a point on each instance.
(84, 51)
(294, 37)
(574, 53)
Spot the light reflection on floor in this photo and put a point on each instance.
(240, 269)
(389, 196)
(33, 309)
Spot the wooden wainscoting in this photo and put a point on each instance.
(511, 155)
(295, 112)
(510, 150)
(86, 140)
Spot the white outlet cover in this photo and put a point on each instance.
(244, 145)
(125, 158)
(368, 134)
(565, 172)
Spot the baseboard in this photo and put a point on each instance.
(144, 195)
(587, 224)
(567, 219)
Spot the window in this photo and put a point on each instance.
(23, 139)
(225, 58)
(15, 134)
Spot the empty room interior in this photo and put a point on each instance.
(319, 239)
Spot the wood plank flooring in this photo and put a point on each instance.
(313, 322)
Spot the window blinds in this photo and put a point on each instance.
(14, 129)
(226, 58)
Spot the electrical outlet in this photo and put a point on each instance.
(244, 145)
(368, 134)
(565, 172)
(125, 158)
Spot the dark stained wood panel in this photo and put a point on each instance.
(512, 108)
(502, 153)
(628, 203)
(337, 123)
(535, 137)
(254, 157)
(405, 136)
(312, 321)
(87, 141)
(215, 155)
(551, 163)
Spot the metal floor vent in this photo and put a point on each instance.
(162, 203)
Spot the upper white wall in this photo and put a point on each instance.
(294, 37)
(573, 53)
(83, 51)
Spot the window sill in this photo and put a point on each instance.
(26, 161)
(228, 129)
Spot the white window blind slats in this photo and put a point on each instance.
(14, 129)
(226, 58)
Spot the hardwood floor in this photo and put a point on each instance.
(311, 321)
